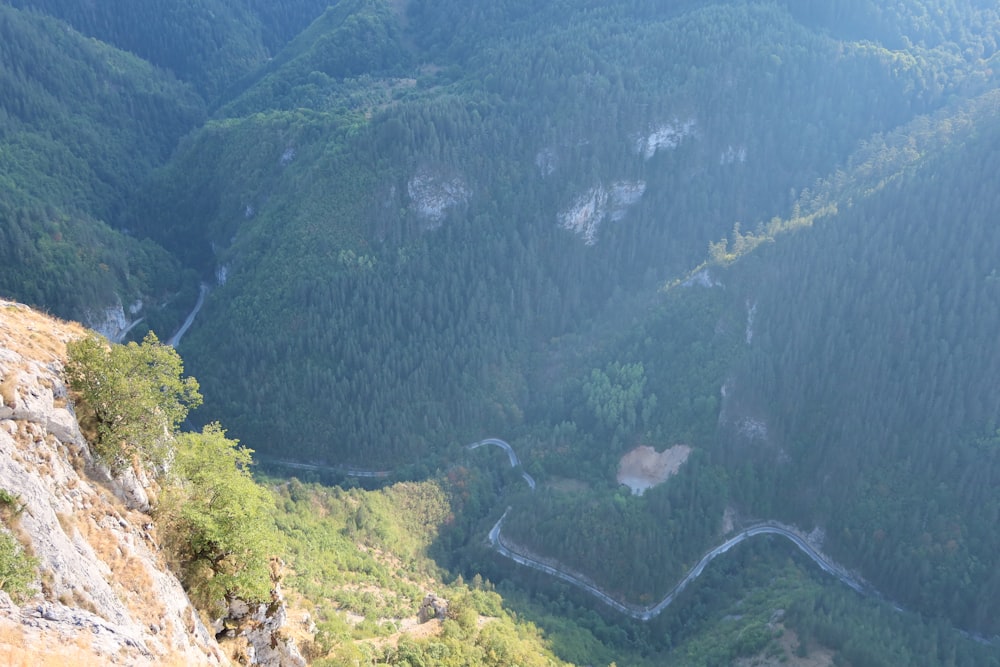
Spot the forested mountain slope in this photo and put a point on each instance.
(208, 44)
(856, 394)
(83, 122)
(398, 240)
(873, 363)
(81, 125)
(421, 223)
(97, 569)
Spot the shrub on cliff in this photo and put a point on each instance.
(133, 398)
(217, 520)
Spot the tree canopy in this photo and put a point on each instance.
(218, 519)
(134, 395)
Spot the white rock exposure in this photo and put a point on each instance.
(753, 429)
(585, 215)
(703, 278)
(546, 161)
(733, 154)
(263, 632)
(751, 312)
(623, 195)
(104, 595)
(665, 136)
(109, 322)
(643, 468)
(432, 194)
(103, 590)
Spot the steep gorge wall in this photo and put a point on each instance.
(105, 595)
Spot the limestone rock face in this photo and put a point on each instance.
(433, 193)
(104, 594)
(261, 626)
(111, 322)
(433, 607)
(664, 136)
(590, 209)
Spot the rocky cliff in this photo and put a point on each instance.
(103, 594)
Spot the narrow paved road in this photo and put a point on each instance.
(176, 338)
(121, 337)
(514, 461)
(553, 568)
(647, 613)
(577, 580)
(348, 471)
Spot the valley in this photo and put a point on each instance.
(715, 269)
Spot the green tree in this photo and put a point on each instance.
(18, 570)
(617, 396)
(133, 397)
(219, 522)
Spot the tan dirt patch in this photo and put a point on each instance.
(728, 520)
(644, 467)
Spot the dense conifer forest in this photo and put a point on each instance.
(763, 230)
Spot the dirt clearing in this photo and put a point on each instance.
(643, 467)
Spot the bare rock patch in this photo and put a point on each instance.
(644, 467)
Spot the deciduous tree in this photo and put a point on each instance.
(134, 396)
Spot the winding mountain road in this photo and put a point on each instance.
(514, 461)
(647, 613)
(554, 568)
(120, 338)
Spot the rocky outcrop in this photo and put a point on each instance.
(111, 322)
(623, 195)
(104, 595)
(643, 467)
(597, 204)
(664, 136)
(433, 194)
(546, 161)
(261, 627)
(702, 278)
(433, 607)
(733, 155)
(584, 216)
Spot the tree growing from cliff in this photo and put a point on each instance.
(133, 397)
(217, 520)
(18, 570)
